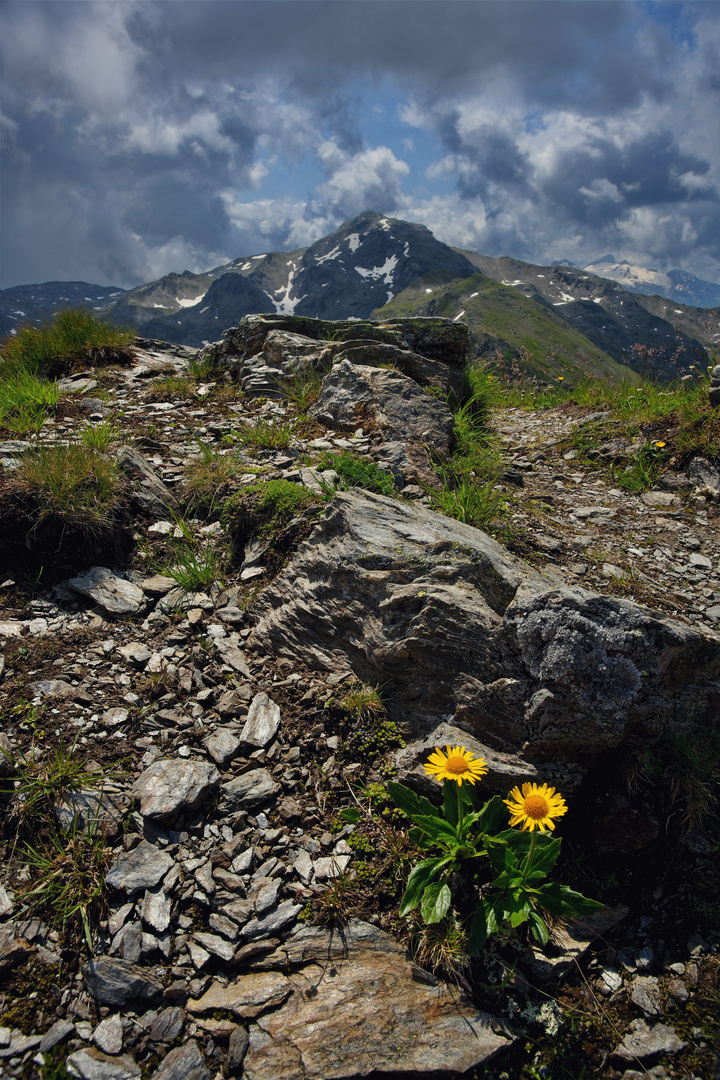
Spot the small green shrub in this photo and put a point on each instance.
(71, 482)
(74, 340)
(171, 386)
(355, 471)
(200, 368)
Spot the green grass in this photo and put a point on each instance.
(73, 482)
(210, 479)
(26, 400)
(304, 389)
(171, 386)
(266, 433)
(193, 571)
(521, 328)
(355, 471)
(74, 340)
(99, 436)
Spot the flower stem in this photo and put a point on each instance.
(460, 812)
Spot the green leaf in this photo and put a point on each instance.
(538, 927)
(492, 815)
(437, 828)
(485, 923)
(419, 837)
(419, 879)
(560, 900)
(545, 856)
(351, 814)
(435, 902)
(501, 856)
(411, 804)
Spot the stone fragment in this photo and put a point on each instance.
(135, 653)
(246, 996)
(57, 1033)
(100, 812)
(250, 789)
(52, 688)
(364, 1013)
(183, 1063)
(158, 584)
(237, 1047)
(155, 911)
(705, 475)
(14, 949)
(330, 867)
(643, 1042)
(6, 902)
(273, 922)
(108, 1035)
(645, 993)
(151, 495)
(140, 868)
(167, 1025)
(116, 982)
(262, 723)
(18, 1044)
(112, 592)
(171, 785)
(222, 745)
(91, 1064)
(215, 945)
(700, 561)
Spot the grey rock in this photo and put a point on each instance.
(705, 475)
(100, 812)
(318, 944)
(18, 1044)
(127, 943)
(6, 902)
(183, 1063)
(643, 1042)
(112, 592)
(57, 1033)
(215, 945)
(363, 1013)
(158, 584)
(135, 653)
(237, 1047)
(140, 868)
(108, 1035)
(14, 948)
(262, 723)
(170, 785)
(52, 688)
(645, 993)
(456, 627)
(330, 867)
(273, 922)
(222, 745)
(250, 789)
(233, 656)
(167, 1025)
(90, 1064)
(116, 982)
(152, 496)
(156, 910)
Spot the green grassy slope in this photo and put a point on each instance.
(507, 327)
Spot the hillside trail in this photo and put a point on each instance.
(660, 548)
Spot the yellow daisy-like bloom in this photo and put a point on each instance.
(659, 444)
(456, 764)
(535, 807)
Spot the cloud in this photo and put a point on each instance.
(141, 137)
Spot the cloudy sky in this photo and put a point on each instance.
(145, 136)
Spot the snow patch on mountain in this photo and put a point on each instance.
(378, 273)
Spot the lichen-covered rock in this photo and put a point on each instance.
(171, 785)
(459, 631)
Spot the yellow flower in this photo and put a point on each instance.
(535, 807)
(458, 765)
(561, 378)
(659, 444)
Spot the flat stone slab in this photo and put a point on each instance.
(115, 982)
(92, 1064)
(171, 784)
(140, 868)
(246, 996)
(643, 1042)
(262, 723)
(364, 1013)
(183, 1063)
(109, 590)
(248, 790)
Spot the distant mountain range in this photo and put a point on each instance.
(565, 317)
(673, 285)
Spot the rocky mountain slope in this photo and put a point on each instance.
(242, 920)
(673, 285)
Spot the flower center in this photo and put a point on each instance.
(536, 807)
(457, 765)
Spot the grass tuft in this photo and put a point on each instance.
(73, 341)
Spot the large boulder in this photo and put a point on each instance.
(458, 631)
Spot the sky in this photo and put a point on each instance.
(141, 137)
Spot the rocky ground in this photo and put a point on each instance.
(238, 925)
